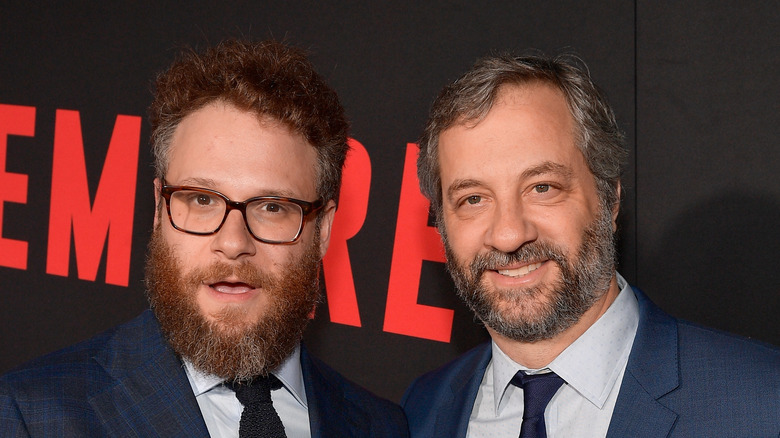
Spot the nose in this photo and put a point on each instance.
(510, 228)
(233, 240)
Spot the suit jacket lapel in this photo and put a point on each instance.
(464, 389)
(652, 372)
(331, 414)
(152, 395)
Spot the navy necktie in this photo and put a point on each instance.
(538, 389)
(259, 418)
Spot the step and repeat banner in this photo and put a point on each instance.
(693, 86)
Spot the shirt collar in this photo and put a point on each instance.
(593, 362)
(289, 373)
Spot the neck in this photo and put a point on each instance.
(539, 354)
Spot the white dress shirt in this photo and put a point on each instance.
(222, 411)
(592, 367)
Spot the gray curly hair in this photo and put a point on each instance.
(470, 98)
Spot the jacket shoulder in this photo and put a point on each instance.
(710, 380)
(439, 402)
(700, 339)
(84, 360)
(712, 357)
(433, 384)
(53, 391)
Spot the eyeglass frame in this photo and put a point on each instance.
(307, 208)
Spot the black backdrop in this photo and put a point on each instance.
(693, 83)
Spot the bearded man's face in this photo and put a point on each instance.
(229, 344)
(538, 312)
(529, 241)
(231, 303)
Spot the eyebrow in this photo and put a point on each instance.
(548, 167)
(461, 184)
(198, 182)
(208, 183)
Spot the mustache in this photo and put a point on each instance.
(528, 253)
(241, 273)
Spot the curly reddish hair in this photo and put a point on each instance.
(268, 78)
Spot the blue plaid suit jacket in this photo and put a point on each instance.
(681, 380)
(127, 382)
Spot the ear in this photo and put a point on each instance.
(157, 202)
(326, 225)
(616, 207)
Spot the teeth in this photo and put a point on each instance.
(231, 289)
(519, 272)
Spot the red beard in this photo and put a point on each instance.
(230, 347)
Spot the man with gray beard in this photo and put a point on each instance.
(249, 144)
(521, 160)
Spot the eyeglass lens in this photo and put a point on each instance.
(203, 212)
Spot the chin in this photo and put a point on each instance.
(233, 315)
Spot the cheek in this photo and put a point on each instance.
(564, 231)
(189, 250)
(463, 238)
(276, 260)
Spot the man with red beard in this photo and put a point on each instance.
(249, 144)
(521, 160)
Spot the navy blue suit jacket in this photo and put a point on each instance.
(681, 380)
(128, 382)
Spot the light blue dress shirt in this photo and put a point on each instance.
(592, 367)
(222, 411)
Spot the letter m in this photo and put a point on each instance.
(109, 220)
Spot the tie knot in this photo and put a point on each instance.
(538, 389)
(255, 390)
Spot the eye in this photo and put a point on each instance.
(203, 199)
(545, 191)
(277, 209)
(197, 199)
(474, 199)
(271, 207)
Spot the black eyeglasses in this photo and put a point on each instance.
(270, 219)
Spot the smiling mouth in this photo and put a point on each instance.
(521, 271)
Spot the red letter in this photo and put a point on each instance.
(414, 242)
(14, 120)
(112, 212)
(353, 205)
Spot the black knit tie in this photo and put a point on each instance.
(259, 418)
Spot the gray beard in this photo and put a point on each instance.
(582, 282)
